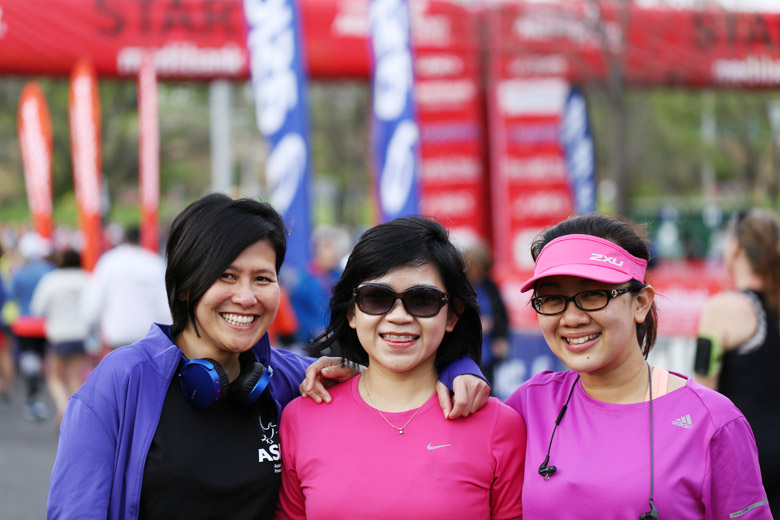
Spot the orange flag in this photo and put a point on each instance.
(84, 118)
(35, 141)
(149, 153)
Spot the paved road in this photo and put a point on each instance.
(27, 451)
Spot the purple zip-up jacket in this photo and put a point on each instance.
(111, 420)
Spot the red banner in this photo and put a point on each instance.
(206, 39)
(189, 38)
(530, 183)
(712, 47)
(149, 154)
(84, 119)
(448, 95)
(35, 141)
(681, 289)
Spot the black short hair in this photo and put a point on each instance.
(70, 258)
(623, 232)
(405, 241)
(204, 240)
(132, 235)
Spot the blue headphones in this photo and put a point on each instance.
(204, 382)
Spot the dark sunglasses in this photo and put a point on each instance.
(422, 302)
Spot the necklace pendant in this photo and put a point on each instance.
(400, 431)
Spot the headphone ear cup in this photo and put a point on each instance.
(252, 382)
(247, 380)
(202, 381)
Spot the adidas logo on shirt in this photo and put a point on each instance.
(684, 422)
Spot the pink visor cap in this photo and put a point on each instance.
(588, 257)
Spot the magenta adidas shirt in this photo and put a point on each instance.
(706, 463)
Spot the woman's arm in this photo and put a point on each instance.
(292, 503)
(734, 488)
(509, 439)
(726, 321)
(82, 477)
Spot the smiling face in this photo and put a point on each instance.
(397, 341)
(593, 342)
(237, 309)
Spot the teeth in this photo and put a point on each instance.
(398, 337)
(580, 341)
(238, 320)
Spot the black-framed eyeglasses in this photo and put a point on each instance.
(592, 300)
(422, 302)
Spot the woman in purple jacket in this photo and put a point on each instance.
(184, 423)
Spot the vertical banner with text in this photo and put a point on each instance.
(531, 187)
(35, 141)
(448, 93)
(395, 134)
(529, 178)
(84, 120)
(279, 84)
(578, 148)
(149, 154)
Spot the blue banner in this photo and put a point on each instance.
(279, 85)
(577, 145)
(528, 355)
(396, 136)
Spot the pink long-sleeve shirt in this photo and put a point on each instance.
(344, 461)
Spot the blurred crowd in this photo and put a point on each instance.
(58, 320)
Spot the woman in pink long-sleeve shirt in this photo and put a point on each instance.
(383, 449)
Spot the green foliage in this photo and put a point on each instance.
(667, 152)
(184, 147)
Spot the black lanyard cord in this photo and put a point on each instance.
(545, 470)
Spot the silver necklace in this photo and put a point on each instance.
(393, 426)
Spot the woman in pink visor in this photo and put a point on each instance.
(614, 438)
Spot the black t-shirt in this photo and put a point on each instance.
(217, 462)
(749, 378)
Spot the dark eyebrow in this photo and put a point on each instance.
(426, 286)
(233, 268)
(415, 286)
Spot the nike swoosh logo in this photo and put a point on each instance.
(437, 447)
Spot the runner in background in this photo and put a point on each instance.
(125, 293)
(29, 330)
(7, 368)
(56, 299)
(738, 348)
(310, 290)
(495, 321)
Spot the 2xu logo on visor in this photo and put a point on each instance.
(598, 257)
